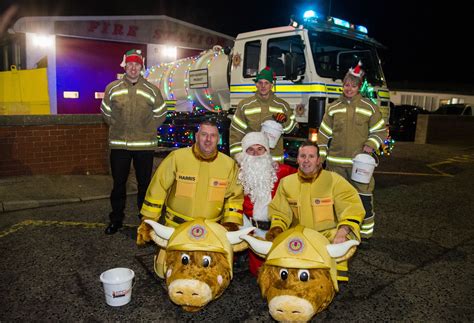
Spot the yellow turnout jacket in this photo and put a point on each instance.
(350, 124)
(191, 188)
(323, 205)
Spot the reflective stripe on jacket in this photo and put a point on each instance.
(350, 124)
(133, 113)
(195, 189)
(249, 116)
(323, 205)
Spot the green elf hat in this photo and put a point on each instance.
(133, 55)
(266, 74)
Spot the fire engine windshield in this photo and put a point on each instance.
(334, 55)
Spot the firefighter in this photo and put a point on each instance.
(352, 125)
(318, 199)
(253, 111)
(133, 108)
(193, 182)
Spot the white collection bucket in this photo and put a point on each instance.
(117, 285)
(362, 168)
(273, 131)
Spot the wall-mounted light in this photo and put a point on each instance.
(71, 95)
(42, 41)
(170, 52)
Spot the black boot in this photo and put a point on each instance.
(113, 227)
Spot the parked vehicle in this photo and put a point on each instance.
(309, 62)
(455, 109)
(402, 122)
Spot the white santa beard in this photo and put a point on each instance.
(257, 176)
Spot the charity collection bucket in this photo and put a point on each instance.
(117, 285)
(363, 166)
(273, 131)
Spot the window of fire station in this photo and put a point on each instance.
(251, 58)
(277, 48)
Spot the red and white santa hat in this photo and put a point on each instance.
(357, 71)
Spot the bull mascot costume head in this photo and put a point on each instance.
(199, 257)
(298, 278)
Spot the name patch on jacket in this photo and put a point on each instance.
(322, 201)
(216, 182)
(187, 178)
(292, 202)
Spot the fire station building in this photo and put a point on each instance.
(83, 54)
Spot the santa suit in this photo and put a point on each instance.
(255, 261)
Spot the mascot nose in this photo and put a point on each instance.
(282, 311)
(290, 308)
(287, 311)
(186, 292)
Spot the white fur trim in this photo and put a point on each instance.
(256, 232)
(254, 138)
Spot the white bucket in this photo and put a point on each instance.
(363, 168)
(117, 285)
(273, 131)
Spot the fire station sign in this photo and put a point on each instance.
(152, 30)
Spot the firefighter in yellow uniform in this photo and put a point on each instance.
(253, 111)
(352, 125)
(194, 182)
(317, 199)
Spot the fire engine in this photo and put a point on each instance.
(309, 59)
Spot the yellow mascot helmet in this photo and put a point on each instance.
(302, 247)
(201, 235)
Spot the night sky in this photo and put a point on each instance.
(429, 45)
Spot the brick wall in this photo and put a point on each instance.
(61, 144)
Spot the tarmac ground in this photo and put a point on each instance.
(418, 266)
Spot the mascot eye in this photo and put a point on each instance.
(184, 259)
(206, 261)
(283, 274)
(303, 275)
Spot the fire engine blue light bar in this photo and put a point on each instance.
(362, 29)
(310, 14)
(341, 22)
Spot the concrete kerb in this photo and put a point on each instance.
(10, 206)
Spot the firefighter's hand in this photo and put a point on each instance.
(273, 233)
(143, 234)
(341, 234)
(230, 226)
(280, 117)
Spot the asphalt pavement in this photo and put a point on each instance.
(417, 268)
(27, 192)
